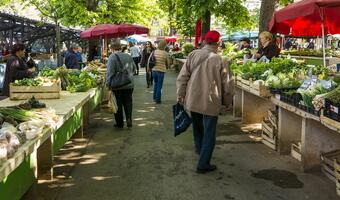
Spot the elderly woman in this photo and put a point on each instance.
(16, 67)
(158, 71)
(268, 47)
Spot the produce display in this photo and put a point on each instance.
(18, 125)
(74, 80)
(312, 53)
(299, 84)
(38, 81)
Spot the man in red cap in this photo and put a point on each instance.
(203, 86)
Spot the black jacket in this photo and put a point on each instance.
(145, 57)
(71, 60)
(270, 51)
(16, 69)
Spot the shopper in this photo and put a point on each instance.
(135, 53)
(16, 68)
(268, 48)
(203, 85)
(71, 61)
(117, 62)
(146, 52)
(158, 71)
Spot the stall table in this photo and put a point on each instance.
(34, 159)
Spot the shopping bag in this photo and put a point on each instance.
(112, 104)
(181, 119)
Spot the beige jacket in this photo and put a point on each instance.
(205, 82)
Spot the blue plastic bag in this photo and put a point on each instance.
(181, 119)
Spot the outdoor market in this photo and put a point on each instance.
(170, 99)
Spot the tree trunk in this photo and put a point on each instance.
(205, 24)
(58, 44)
(266, 14)
(171, 19)
(91, 5)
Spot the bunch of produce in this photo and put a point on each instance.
(334, 96)
(312, 97)
(28, 82)
(307, 52)
(32, 103)
(38, 81)
(187, 48)
(75, 80)
(283, 81)
(18, 125)
(96, 64)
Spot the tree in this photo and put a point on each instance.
(231, 12)
(267, 11)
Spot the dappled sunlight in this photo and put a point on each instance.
(149, 103)
(251, 127)
(63, 185)
(102, 178)
(93, 158)
(146, 110)
(154, 123)
(139, 119)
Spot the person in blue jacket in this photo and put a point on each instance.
(71, 61)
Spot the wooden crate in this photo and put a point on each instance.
(39, 92)
(273, 118)
(259, 89)
(337, 175)
(244, 84)
(269, 135)
(329, 162)
(296, 151)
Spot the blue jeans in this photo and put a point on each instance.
(204, 128)
(158, 78)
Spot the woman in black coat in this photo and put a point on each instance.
(148, 49)
(16, 67)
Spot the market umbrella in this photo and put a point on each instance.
(308, 18)
(171, 39)
(113, 30)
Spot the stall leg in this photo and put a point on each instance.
(86, 117)
(45, 160)
(237, 103)
(289, 130)
(254, 108)
(316, 138)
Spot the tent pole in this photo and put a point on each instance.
(323, 37)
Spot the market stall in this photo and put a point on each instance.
(44, 125)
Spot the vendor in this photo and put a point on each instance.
(268, 47)
(245, 44)
(16, 67)
(71, 61)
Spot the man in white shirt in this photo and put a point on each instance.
(135, 54)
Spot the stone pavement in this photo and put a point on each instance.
(148, 163)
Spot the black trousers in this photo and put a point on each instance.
(149, 78)
(136, 61)
(124, 100)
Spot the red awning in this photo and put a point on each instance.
(304, 18)
(171, 39)
(113, 30)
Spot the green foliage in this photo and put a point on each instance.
(187, 48)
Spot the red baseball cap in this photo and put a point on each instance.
(212, 37)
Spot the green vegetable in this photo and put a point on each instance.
(28, 82)
(19, 114)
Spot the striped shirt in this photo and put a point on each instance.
(161, 57)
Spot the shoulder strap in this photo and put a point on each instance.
(120, 63)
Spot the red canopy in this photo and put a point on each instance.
(113, 30)
(171, 39)
(304, 18)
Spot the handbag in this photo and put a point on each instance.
(181, 119)
(152, 60)
(120, 78)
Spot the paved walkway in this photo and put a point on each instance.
(148, 163)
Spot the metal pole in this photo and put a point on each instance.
(323, 37)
